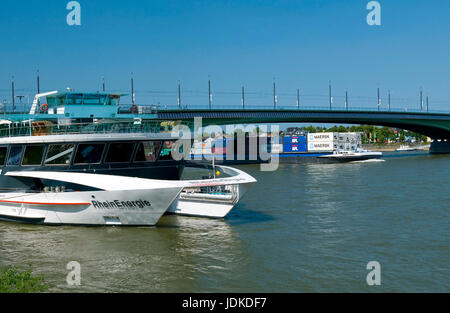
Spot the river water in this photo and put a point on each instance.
(303, 228)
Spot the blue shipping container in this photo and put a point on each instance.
(301, 147)
(293, 140)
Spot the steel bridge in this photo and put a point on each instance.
(434, 125)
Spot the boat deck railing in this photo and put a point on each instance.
(42, 128)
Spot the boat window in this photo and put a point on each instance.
(105, 100)
(75, 98)
(166, 151)
(3, 151)
(59, 154)
(15, 155)
(147, 151)
(33, 155)
(91, 99)
(113, 99)
(119, 152)
(51, 101)
(89, 153)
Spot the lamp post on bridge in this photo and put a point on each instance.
(132, 89)
(389, 100)
(346, 100)
(243, 97)
(379, 101)
(274, 96)
(179, 95)
(37, 81)
(329, 93)
(209, 94)
(298, 98)
(421, 100)
(12, 94)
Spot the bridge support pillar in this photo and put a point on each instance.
(440, 147)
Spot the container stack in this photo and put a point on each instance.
(318, 143)
(305, 144)
(322, 142)
(349, 141)
(295, 144)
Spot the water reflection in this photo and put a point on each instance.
(242, 214)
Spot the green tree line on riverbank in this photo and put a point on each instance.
(370, 134)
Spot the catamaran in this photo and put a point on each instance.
(61, 171)
(106, 179)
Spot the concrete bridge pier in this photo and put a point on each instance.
(440, 146)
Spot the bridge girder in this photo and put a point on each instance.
(434, 125)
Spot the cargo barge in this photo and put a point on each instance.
(328, 147)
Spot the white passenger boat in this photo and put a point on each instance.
(63, 166)
(350, 156)
(106, 179)
(406, 148)
(119, 200)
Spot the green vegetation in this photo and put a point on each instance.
(370, 134)
(13, 280)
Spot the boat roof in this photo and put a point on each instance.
(67, 138)
(61, 94)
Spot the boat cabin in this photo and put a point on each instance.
(77, 98)
(142, 156)
(77, 104)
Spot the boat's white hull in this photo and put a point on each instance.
(354, 156)
(200, 209)
(121, 200)
(406, 149)
(123, 207)
(210, 205)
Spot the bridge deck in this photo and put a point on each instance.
(432, 124)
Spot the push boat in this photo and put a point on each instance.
(106, 179)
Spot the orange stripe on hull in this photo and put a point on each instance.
(43, 203)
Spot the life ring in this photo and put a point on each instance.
(44, 107)
(134, 108)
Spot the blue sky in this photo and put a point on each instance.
(302, 44)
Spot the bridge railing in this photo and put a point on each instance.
(151, 109)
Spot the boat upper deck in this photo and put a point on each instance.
(45, 131)
(61, 138)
